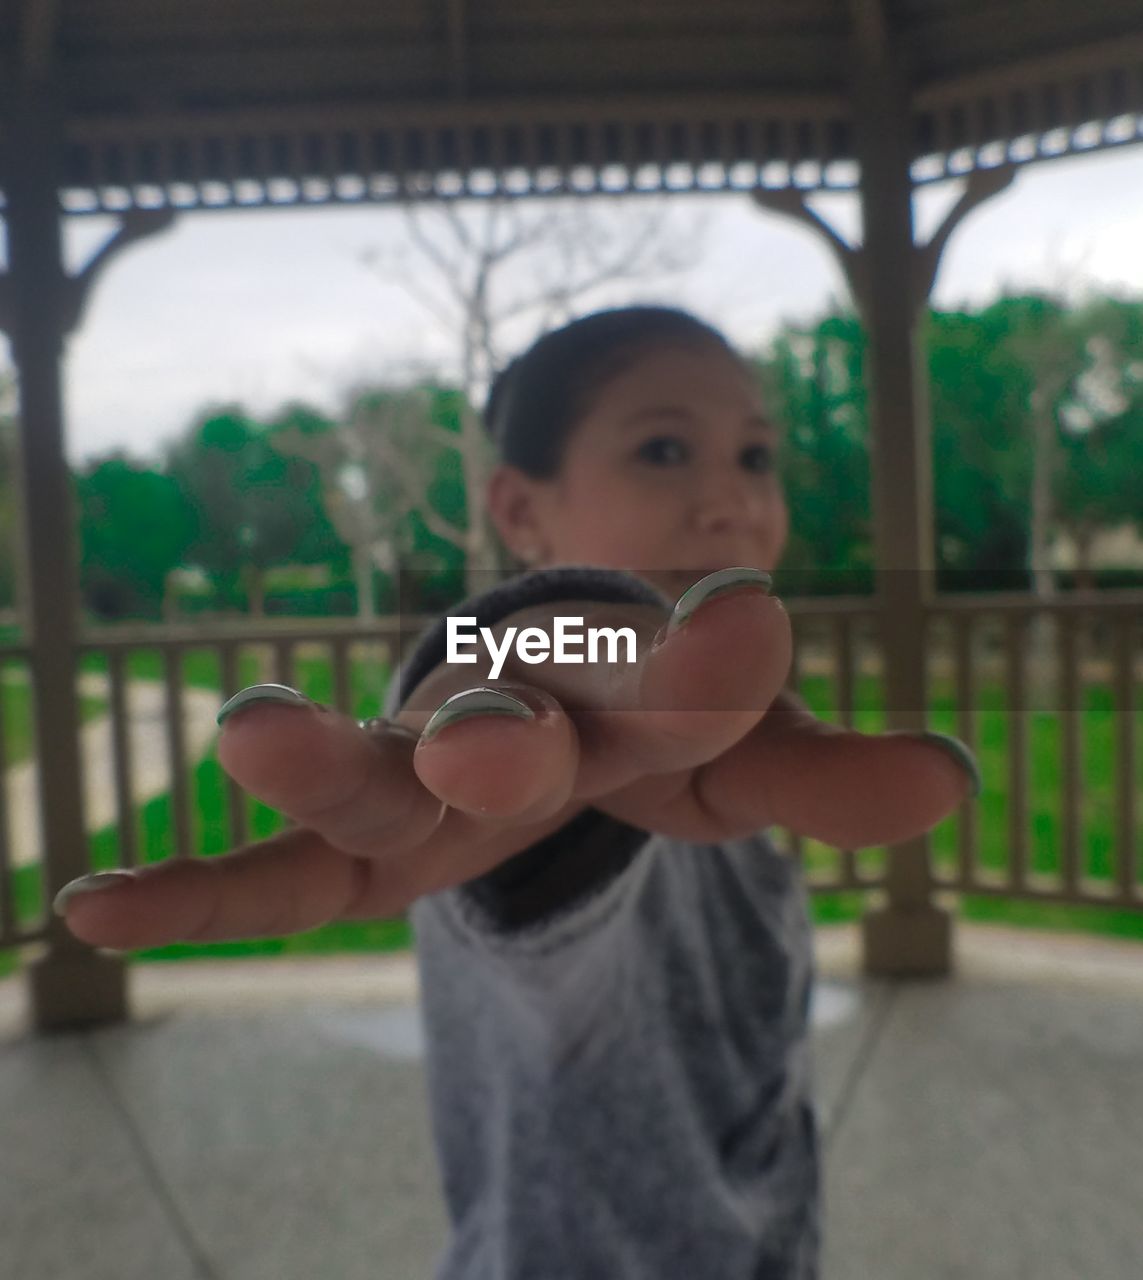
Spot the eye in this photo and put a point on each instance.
(662, 450)
(758, 458)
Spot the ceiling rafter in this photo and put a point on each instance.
(444, 97)
(458, 45)
(39, 27)
(1082, 59)
(871, 31)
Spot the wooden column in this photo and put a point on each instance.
(71, 984)
(891, 278)
(910, 935)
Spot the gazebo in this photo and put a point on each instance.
(150, 110)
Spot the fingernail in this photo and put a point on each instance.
(474, 702)
(961, 754)
(383, 727)
(264, 693)
(88, 884)
(714, 584)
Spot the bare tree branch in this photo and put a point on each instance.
(451, 271)
(452, 214)
(419, 294)
(564, 254)
(442, 528)
(411, 485)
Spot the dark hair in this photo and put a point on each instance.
(537, 399)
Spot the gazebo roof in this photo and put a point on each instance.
(226, 102)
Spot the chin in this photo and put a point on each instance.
(678, 580)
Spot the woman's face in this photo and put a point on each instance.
(670, 475)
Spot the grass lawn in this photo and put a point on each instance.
(314, 677)
(1045, 804)
(201, 669)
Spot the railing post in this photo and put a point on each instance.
(911, 935)
(71, 984)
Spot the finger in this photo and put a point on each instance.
(698, 690)
(380, 790)
(290, 883)
(708, 683)
(421, 812)
(502, 751)
(460, 849)
(849, 790)
(371, 858)
(685, 699)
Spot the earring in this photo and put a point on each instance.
(529, 554)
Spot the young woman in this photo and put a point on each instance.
(615, 960)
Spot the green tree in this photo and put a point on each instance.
(813, 380)
(982, 451)
(253, 508)
(393, 484)
(1099, 482)
(1037, 423)
(135, 526)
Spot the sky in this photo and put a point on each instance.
(264, 307)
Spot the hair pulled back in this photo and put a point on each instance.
(536, 401)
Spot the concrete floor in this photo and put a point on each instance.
(267, 1120)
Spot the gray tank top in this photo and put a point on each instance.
(617, 1045)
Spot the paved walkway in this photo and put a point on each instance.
(150, 765)
(267, 1120)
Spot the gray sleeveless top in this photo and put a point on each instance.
(617, 1042)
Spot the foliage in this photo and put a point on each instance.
(993, 376)
(1037, 430)
(253, 508)
(136, 525)
(392, 482)
(814, 378)
(1101, 425)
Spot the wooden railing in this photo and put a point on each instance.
(986, 648)
(14, 670)
(979, 647)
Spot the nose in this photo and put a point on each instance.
(727, 503)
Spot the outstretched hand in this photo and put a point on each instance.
(697, 739)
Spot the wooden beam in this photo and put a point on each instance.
(71, 984)
(911, 935)
(955, 36)
(982, 184)
(791, 202)
(1084, 59)
(573, 110)
(134, 225)
(39, 26)
(871, 31)
(458, 46)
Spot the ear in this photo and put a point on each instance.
(514, 508)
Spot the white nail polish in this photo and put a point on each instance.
(716, 584)
(475, 702)
(961, 754)
(88, 884)
(281, 693)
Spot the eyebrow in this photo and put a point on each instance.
(675, 411)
